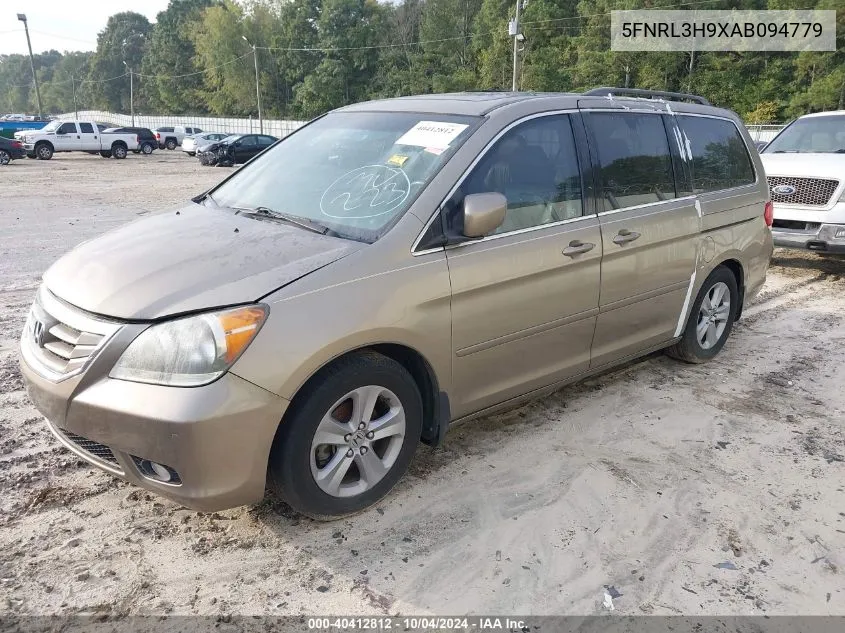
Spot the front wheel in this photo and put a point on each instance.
(5, 157)
(710, 320)
(348, 438)
(44, 151)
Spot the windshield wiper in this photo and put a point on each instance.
(786, 151)
(304, 223)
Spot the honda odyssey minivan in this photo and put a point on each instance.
(387, 270)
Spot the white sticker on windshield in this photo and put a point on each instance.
(434, 134)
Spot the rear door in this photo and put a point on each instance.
(525, 299)
(650, 228)
(89, 137)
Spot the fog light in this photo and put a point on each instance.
(840, 233)
(157, 472)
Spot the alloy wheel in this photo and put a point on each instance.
(357, 441)
(5, 159)
(713, 315)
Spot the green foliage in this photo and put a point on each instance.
(315, 55)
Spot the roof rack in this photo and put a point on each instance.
(651, 94)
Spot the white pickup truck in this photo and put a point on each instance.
(76, 136)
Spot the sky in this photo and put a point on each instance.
(63, 25)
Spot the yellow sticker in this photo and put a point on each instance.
(397, 159)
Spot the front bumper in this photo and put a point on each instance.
(216, 437)
(822, 238)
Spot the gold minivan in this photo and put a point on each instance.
(387, 270)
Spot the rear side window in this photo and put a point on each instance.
(86, 128)
(634, 159)
(720, 159)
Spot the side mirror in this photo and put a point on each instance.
(483, 213)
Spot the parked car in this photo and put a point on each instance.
(171, 137)
(234, 150)
(147, 140)
(805, 166)
(388, 269)
(190, 143)
(10, 149)
(77, 136)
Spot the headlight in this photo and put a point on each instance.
(191, 351)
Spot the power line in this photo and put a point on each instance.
(199, 72)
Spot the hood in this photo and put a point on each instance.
(186, 260)
(827, 165)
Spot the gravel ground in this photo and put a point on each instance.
(709, 489)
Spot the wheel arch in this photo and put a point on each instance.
(436, 409)
(736, 268)
(44, 142)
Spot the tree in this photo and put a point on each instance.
(172, 81)
(125, 39)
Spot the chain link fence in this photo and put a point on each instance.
(274, 127)
(765, 132)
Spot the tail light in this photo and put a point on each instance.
(17, 144)
(769, 214)
(158, 136)
(137, 140)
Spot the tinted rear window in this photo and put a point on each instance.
(720, 159)
(633, 152)
(86, 128)
(164, 129)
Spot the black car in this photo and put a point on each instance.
(9, 149)
(147, 140)
(234, 150)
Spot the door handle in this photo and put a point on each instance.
(577, 247)
(624, 236)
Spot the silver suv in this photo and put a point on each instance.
(805, 165)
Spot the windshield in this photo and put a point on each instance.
(816, 134)
(353, 172)
(51, 126)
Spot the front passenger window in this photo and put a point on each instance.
(535, 166)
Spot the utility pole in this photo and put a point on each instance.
(73, 91)
(516, 37)
(257, 85)
(22, 18)
(131, 94)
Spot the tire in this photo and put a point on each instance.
(105, 153)
(5, 157)
(119, 151)
(696, 348)
(296, 460)
(147, 148)
(32, 156)
(170, 143)
(191, 153)
(44, 151)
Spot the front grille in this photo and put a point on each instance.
(58, 339)
(95, 449)
(811, 192)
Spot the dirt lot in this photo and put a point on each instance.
(709, 489)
